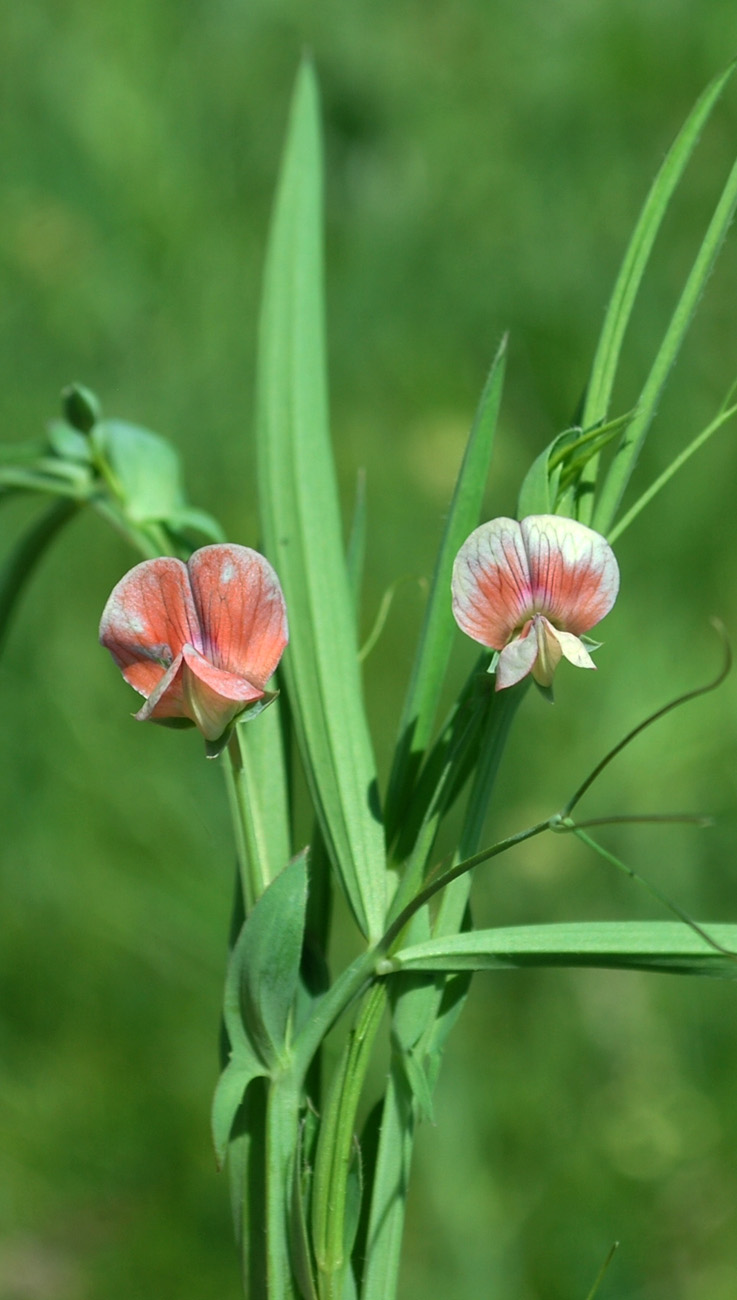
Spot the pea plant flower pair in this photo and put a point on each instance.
(530, 591)
(199, 640)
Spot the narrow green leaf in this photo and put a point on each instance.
(17, 568)
(335, 1214)
(257, 784)
(677, 463)
(302, 529)
(628, 451)
(389, 1191)
(628, 945)
(603, 1271)
(438, 627)
(606, 358)
(263, 971)
(356, 550)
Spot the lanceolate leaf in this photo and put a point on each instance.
(438, 629)
(618, 313)
(302, 528)
(629, 945)
(625, 459)
(389, 1193)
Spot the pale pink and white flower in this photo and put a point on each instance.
(198, 640)
(530, 591)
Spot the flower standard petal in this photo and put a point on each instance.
(574, 574)
(241, 611)
(149, 617)
(492, 592)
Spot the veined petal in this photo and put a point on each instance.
(167, 699)
(241, 611)
(574, 650)
(492, 592)
(212, 696)
(149, 616)
(573, 571)
(517, 659)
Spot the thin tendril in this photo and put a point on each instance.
(624, 819)
(654, 892)
(654, 717)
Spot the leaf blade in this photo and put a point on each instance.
(638, 251)
(438, 626)
(664, 946)
(301, 524)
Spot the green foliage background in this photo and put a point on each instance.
(486, 164)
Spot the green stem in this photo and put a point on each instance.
(438, 783)
(338, 997)
(335, 1151)
(447, 878)
(396, 1142)
(282, 1120)
(251, 849)
(453, 903)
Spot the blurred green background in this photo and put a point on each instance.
(486, 163)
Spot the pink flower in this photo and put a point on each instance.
(198, 640)
(530, 589)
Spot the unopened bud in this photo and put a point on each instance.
(80, 407)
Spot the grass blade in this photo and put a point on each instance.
(665, 946)
(606, 358)
(438, 627)
(301, 524)
(625, 458)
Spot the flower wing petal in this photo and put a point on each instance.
(213, 696)
(517, 659)
(241, 610)
(149, 616)
(574, 574)
(574, 650)
(167, 699)
(492, 593)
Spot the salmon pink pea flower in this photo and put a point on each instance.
(198, 640)
(530, 590)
